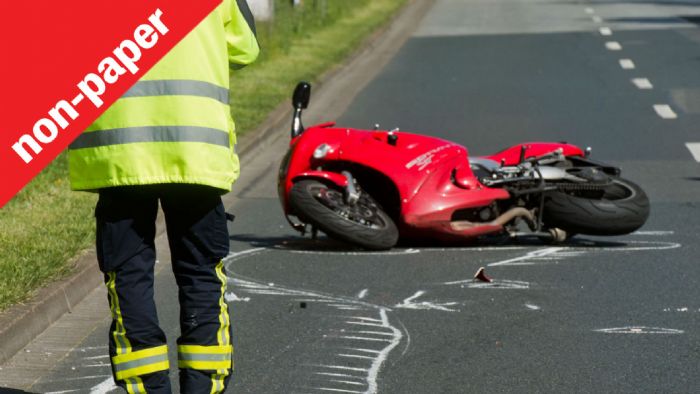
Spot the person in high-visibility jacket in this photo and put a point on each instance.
(170, 139)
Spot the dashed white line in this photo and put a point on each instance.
(627, 64)
(597, 19)
(642, 83)
(694, 148)
(605, 31)
(665, 111)
(613, 46)
(589, 10)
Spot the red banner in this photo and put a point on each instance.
(64, 62)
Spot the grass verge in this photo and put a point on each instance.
(47, 225)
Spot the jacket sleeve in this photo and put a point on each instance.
(241, 40)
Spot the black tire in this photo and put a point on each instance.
(364, 224)
(622, 209)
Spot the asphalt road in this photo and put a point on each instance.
(599, 315)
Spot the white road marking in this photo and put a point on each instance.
(642, 83)
(231, 297)
(532, 307)
(694, 148)
(613, 46)
(409, 304)
(373, 375)
(356, 356)
(653, 233)
(362, 293)
(627, 64)
(597, 19)
(665, 111)
(605, 31)
(529, 255)
(103, 387)
(363, 350)
(589, 10)
(339, 375)
(639, 330)
(364, 323)
(347, 382)
(365, 338)
(338, 390)
(496, 284)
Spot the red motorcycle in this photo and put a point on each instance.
(368, 187)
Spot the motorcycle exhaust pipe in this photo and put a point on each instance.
(499, 221)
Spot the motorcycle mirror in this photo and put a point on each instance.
(302, 95)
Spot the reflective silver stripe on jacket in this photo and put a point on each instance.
(152, 134)
(178, 87)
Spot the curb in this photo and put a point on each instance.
(20, 324)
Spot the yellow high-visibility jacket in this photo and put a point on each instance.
(175, 124)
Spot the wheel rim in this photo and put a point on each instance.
(364, 212)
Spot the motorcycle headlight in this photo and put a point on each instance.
(321, 151)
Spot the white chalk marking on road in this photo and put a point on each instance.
(654, 246)
(96, 357)
(382, 356)
(97, 365)
(103, 387)
(359, 349)
(409, 304)
(627, 64)
(231, 297)
(365, 338)
(532, 307)
(388, 334)
(665, 111)
(694, 148)
(597, 19)
(642, 83)
(653, 232)
(87, 377)
(529, 255)
(389, 253)
(343, 368)
(235, 255)
(364, 323)
(613, 46)
(339, 375)
(496, 284)
(590, 11)
(338, 390)
(605, 31)
(356, 356)
(347, 382)
(61, 392)
(362, 294)
(363, 318)
(639, 330)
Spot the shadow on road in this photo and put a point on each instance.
(5, 390)
(324, 244)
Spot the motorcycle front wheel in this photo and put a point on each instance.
(364, 223)
(621, 208)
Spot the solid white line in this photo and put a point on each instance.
(613, 46)
(627, 64)
(605, 31)
(642, 83)
(597, 19)
(665, 111)
(694, 148)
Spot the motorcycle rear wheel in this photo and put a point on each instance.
(364, 223)
(623, 208)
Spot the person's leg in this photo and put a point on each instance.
(198, 238)
(126, 254)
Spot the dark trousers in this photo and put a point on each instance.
(198, 239)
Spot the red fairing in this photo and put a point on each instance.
(534, 149)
